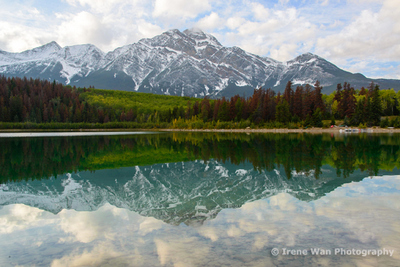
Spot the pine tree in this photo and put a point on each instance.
(288, 95)
(359, 114)
(298, 103)
(269, 105)
(347, 103)
(317, 97)
(308, 104)
(376, 108)
(239, 109)
(223, 112)
(317, 118)
(282, 111)
(205, 109)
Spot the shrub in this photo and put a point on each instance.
(362, 126)
(384, 123)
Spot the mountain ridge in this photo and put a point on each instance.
(188, 63)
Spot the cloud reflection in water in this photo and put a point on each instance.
(362, 215)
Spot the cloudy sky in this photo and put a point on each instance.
(357, 35)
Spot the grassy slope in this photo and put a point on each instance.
(145, 102)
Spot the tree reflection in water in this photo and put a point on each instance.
(37, 158)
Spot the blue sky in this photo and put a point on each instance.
(357, 35)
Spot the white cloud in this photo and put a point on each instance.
(101, 6)
(211, 22)
(281, 35)
(23, 27)
(371, 35)
(260, 12)
(108, 24)
(83, 27)
(179, 9)
(234, 22)
(12, 40)
(356, 30)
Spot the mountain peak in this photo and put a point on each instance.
(44, 50)
(307, 56)
(198, 35)
(194, 31)
(173, 32)
(40, 52)
(49, 46)
(53, 44)
(304, 58)
(83, 48)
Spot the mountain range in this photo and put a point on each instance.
(188, 63)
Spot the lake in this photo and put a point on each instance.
(200, 199)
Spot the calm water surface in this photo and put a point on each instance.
(200, 199)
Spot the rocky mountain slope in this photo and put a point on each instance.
(188, 63)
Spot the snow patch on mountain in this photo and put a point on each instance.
(300, 82)
(222, 84)
(242, 83)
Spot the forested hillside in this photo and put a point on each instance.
(29, 103)
(39, 101)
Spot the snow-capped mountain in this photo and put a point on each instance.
(51, 61)
(183, 192)
(188, 63)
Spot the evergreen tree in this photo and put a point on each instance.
(317, 97)
(298, 102)
(223, 112)
(239, 109)
(359, 114)
(376, 108)
(288, 95)
(347, 103)
(205, 109)
(308, 104)
(269, 105)
(317, 118)
(282, 111)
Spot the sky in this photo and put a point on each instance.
(361, 36)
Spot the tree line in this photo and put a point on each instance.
(41, 101)
(25, 100)
(300, 107)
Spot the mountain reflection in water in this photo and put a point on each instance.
(185, 178)
(127, 200)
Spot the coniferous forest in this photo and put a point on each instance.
(34, 103)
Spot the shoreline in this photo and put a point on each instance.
(286, 130)
(277, 130)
